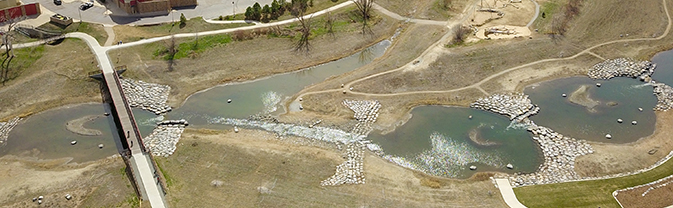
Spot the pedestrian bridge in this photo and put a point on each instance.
(142, 169)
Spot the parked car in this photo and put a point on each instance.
(85, 6)
(57, 2)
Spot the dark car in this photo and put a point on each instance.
(57, 2)
(85, 6)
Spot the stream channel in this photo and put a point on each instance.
(439, 140)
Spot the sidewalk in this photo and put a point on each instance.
(508, 193)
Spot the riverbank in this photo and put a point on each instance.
(611, 159)
(239, 61)
(257, 163)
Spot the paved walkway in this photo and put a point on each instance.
(145, 175)
(537, 13)
(508, 193)
(110, 35)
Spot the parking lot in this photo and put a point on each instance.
(108, 12)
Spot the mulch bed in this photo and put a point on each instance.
(658, 196)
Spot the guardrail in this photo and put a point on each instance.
(129, 112)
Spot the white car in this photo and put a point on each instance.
(85, 6)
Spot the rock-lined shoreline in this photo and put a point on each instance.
(350, 171)
(664, 94)
(147, 96)
(6, 127)
(643, 70)
(165, 136)
(509, 104)
(559, 153)
(623, 67)
(366, 112)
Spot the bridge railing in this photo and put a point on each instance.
(129, 112)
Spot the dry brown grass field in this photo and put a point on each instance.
(50, 76)
(290, 175)
(441, 10)
(94, 184)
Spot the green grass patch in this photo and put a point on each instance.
(95, 30)
(320, 26)
(194, 47)
(169, 180)
(596, 193)
(547, 11)
(130, 201)
(23, 59)
(442, 8)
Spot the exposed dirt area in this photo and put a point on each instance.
(582, 97)
(517, 80)
(58, 77)
(464, 66)
(77, 126)
(257, 169)
(243, 60)
(426, 9)
(655, 195)
(617, 158)
(96, 184)
(514, 14)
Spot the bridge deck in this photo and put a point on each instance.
(146, 176)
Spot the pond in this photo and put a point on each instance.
(444, 141)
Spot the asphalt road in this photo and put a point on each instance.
(208, 9)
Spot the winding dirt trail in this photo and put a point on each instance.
(478, 84)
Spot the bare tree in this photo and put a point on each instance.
(172, 50)
(364, 10)
(305, 29)
(8, 54)
(329, 23)
(460, 34)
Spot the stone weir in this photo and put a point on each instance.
(559, 151)
(366, 112)
(622, 67)
(147, 96)
(350, 171)
(6, 127)
(643, 70)
(513, 105)
(165, 137)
